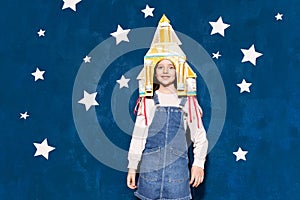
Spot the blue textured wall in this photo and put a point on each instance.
(265, 122)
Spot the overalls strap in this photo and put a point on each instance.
(155, 98)
(182, 102)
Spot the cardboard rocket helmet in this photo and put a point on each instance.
(165, 45)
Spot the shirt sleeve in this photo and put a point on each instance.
(139, 135)
(198, 133)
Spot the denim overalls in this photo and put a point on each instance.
(164, 172)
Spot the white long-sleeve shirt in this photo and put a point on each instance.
(140, 131)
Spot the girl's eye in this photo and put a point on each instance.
(164, 67)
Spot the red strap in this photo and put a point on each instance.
(146, 122)
(138, 101)
(138, 104)
(196, 109)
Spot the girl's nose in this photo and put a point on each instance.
(165, 70)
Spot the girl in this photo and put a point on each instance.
(159, 147)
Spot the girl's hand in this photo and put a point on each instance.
(131, 178)
(197, 176)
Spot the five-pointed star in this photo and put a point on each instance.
(43, 149)
(87, 59)
(218, 27)
(250, 55)
(123, 82)
(41, 33)
(240, 154)
(148, 11)
(88, 100)
(24, 115)
(244, 86)
(120, 35)
(278, 16)
(38, 74)
(216, 55)
(70, 4)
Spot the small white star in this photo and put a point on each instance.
(218, 27)
(87, 59)
(216, 55)
(250, 55)
(278, 16)
(123, 82)
(24, 115)
(120, 35)
(70, 4)
(41, 33)
(43, 149)
(38, 74)
(240, 154)
(88, 100)
(244, 86)
(148, 11)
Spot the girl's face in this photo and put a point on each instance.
(165, 72)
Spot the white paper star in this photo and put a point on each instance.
(38, 74)
(70, 4)
(120, 35)
(244, 86)
(218, 27)
(24, 115)
(43, 149)
(216, 55)
(250, 55)
(148, 11)
(88, 100)
(278, 16)
(41, 33)
(240, 154)
(123, 82)
(87, 59)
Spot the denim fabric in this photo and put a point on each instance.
(164, 172)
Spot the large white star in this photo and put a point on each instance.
(38, 74)
(120, 35)
(41, 33)
(216, 55)
(250, 55)
(240, 154)
(278, 16)
(87, 59)
(123, 82)
(148, 11)
(70, 4)
(24, 115)
(88, 100)
(244, 86)
(218, 27)
(43, 149)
